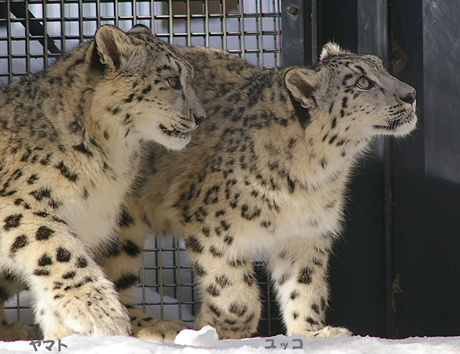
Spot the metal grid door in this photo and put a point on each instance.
(248, 28)
(34, 32)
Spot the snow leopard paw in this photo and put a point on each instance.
(327, 332)
(89, 309)
(16, 331)
(156, 330)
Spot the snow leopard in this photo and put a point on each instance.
(70, 145)
(266, 173)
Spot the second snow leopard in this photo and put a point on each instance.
(70, 147)
(266, 172)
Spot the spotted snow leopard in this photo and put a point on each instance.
(266, 172)
(70, 145)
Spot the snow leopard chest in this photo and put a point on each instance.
(304, 214)
(311, 215)
(95, 219)
(93, 210)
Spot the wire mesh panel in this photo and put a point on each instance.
(248, 28)
(33, 33)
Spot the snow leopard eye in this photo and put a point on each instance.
(174, 82)
(364, 83)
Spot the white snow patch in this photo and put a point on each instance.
(278, 344)
(205, 337)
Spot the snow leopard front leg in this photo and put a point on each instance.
(228, 287)
(71, 293)
(299, 274)
(121, 261)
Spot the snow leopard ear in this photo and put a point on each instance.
(302, 84)
(331, 49)
(113, 46)
(141, 29)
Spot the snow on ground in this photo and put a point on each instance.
(206, 342)
(209, 345)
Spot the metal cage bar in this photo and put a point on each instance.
(34, 32)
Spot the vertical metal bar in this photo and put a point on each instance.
(143, 281)
(279, 33)
(242, 39)
(134, 7)
(178, 278)
(152, 13)
(314, 32)
(299, 40)
(62, 23)
(206, 14)
(269, 307)
(189, 24)
(160, 276)
(373, 28)
(45, 36)
(373, 38)
(98, 13)
(80, 20)
(115, 13)
(224, 24)
(18, 307)
(27, 28)
(8, 34)
(260, 41)
(171, 24)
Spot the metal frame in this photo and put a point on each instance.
(373, 38)
(247, 28)
(299, 45)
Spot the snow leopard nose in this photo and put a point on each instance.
(409, 98)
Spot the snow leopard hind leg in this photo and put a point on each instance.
(220, 285)
(230, 295)
(121, 261)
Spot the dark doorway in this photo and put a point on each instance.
(396, 272)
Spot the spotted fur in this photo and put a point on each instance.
(70, 146)
(267, 172)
